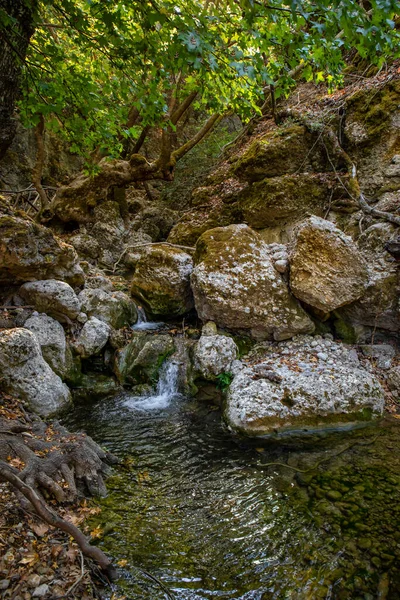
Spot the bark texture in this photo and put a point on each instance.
(14, 40)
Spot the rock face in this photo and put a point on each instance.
(162, 281)
(51, 337)
(92, 338)
(53, 297)
(379, 306)
(302, 386)
(235, 284)
(114, 308)
(326, 268)
(214, 354)
(26, 374)
(29, 251)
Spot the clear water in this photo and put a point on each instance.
(211, 518)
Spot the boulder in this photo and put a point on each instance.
(92, 338)
(393, 380)
(162, 281)
(214, 354)
(86, 245)
(379, 307)
(326, 268)
(235, 284)
(51, 337)
(53, 297)
(301, 387)
(114, 308)
(25, 374)
(29, 251)
(140, 361)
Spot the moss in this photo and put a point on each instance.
(345, 331)
(374, 109)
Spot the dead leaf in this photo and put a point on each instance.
(40, 529)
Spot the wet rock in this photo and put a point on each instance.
(51, 337)
(92, 338)
(30, 251)
(310, 396)
(27, 375)
(162, 281)
(326, 268)
(114, 308)
(53, 297)
(382, 353)
(235, 284)
(95, 386)
(140, 361)
(214, 354)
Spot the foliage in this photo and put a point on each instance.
(224, 380)
(91, 61)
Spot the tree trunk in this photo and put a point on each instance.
(14, 40)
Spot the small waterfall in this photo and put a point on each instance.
(142, 324)
(167, 390)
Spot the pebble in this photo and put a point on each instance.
(322, 356)
(314, 344)
(4, 583)
(33, 580)
(41, 591)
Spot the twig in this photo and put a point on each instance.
(81, 576)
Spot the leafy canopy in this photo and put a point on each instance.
(91, 61)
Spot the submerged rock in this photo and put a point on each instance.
(326, 268)
(53, 297)
(114, 308)
(162, 281)
(92, 338)
(293, 390)
(214, 354)
(25, 373)
(51, 337)
(236, 285)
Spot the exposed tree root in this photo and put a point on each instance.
(41, 460)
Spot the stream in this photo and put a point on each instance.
(209, 517)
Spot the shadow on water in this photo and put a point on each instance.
(212, 518)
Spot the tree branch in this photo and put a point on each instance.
(182, 108)
(207, 127)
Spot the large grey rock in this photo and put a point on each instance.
(236, 285)
(51, 337)
(30, 251)
(86, 245)
(92, 338)
(25, 374)
(53, 297)
(293, 389)
(379, 307)
(326, 268)
(214, 355)
(162, 281)
(114, 308)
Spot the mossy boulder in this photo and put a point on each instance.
(162, 281)
(141, 360)
(281, 200)
(29, 251)
(279, 152)
(235, 284)
(114, 308)
(326, 268)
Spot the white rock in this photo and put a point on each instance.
(288, 401)
(53, 297)
(51, 337)
(214, 354)
(41, 591)
(92, 338)
(25, 373)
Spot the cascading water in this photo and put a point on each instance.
(167, 390)
(142, 324)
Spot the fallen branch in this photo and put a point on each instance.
(7, 473)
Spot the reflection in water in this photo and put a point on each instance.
(213, 519)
